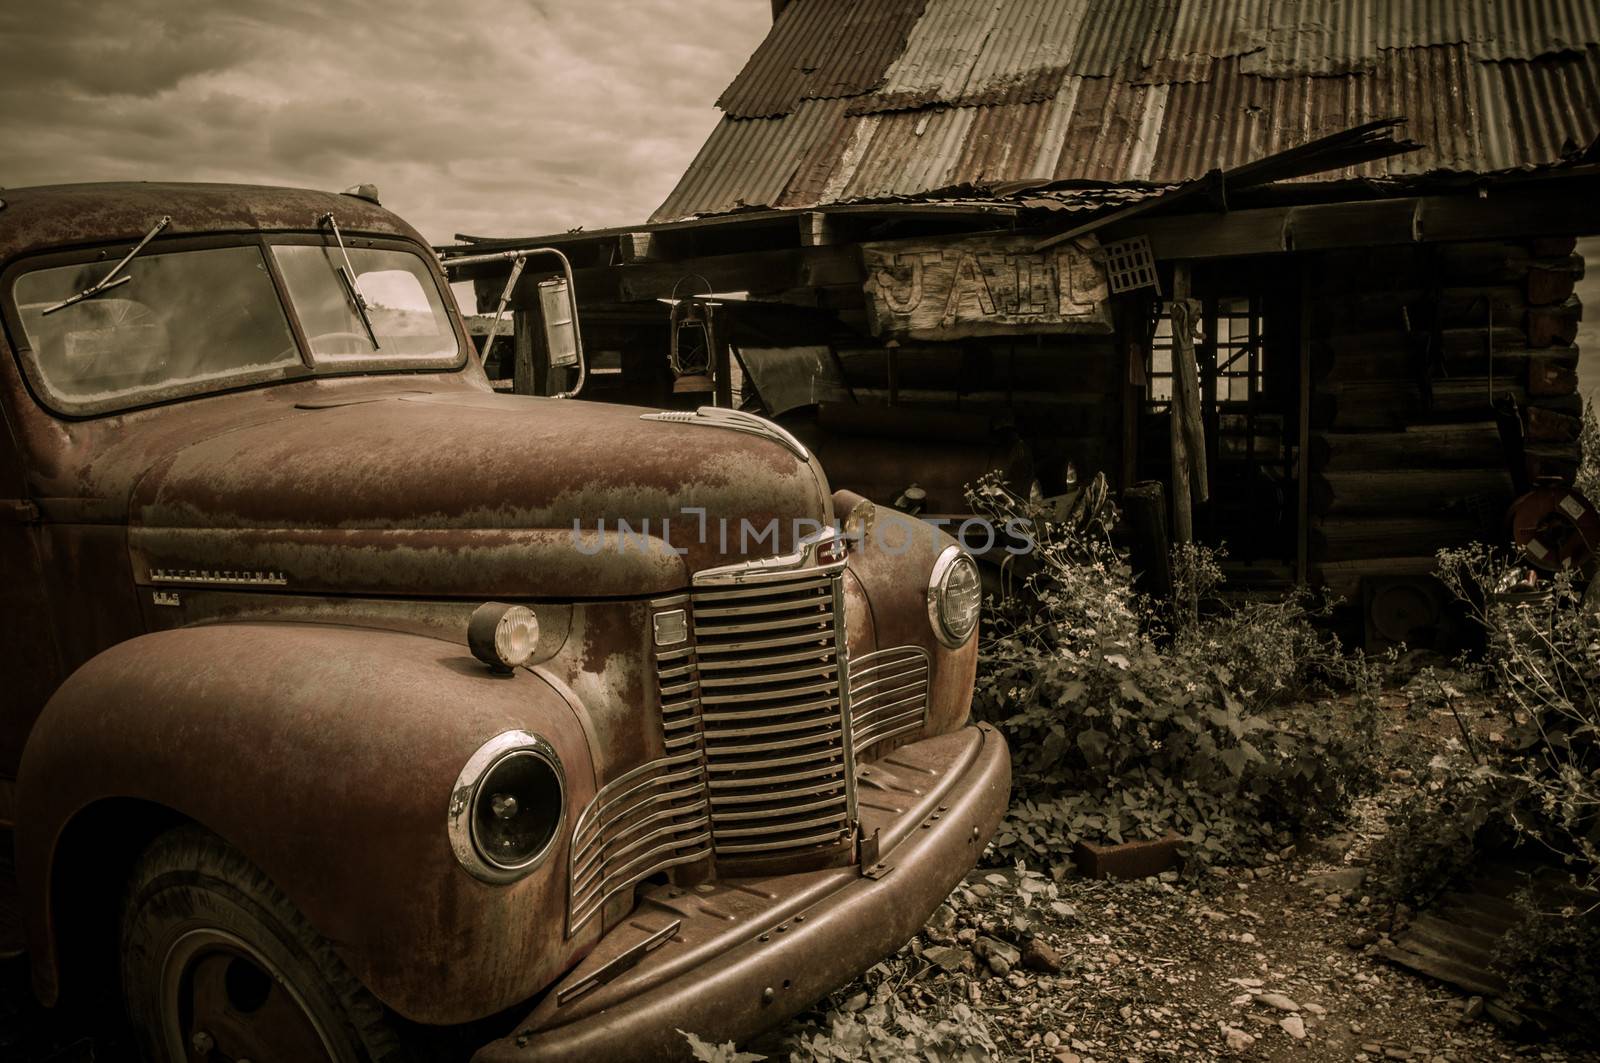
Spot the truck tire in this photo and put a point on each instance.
(217, 964)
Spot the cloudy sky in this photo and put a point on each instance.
(492, 117)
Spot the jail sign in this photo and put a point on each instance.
(984, 286)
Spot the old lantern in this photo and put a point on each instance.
(693, 327)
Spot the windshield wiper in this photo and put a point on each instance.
(111, 280)
(347, 274)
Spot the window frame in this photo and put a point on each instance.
(354, 366)
(306, 367)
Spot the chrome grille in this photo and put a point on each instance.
(652, 818)
(773, 714)
(888, 694)
(757, 734)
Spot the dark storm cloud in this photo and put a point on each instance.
(488, 116)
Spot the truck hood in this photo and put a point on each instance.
(469, 494)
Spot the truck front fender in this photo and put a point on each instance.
(327, 755)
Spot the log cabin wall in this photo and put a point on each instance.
(1062, 394)
(1412, 350)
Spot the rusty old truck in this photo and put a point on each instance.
(350, 706)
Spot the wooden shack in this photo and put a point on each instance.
(986, 207)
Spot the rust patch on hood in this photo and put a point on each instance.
(416, 491)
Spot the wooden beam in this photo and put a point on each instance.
(1186, 382)
(817, 230)
(528, 369)
(1182, 490)
(638, 247)
(757, 272)
(1302, 544)
(1556, 208)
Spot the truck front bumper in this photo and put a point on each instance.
(730, 959)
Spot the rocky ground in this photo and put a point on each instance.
(1266, 963)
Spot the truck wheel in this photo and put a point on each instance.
(219, 967)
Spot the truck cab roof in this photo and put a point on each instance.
(57, 217)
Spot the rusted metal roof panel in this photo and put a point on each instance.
(906, 152)
(980, 92)
(1116, 35)
(749, 162)
(1234, 117)
(979, 52)
(1538, 109)
(1113, 131)
(1528, 29)
(820, 49)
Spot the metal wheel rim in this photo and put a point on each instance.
(180, 959)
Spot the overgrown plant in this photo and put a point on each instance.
(1534, 784)
(1588, 479)
(1123, 726)
(1542, 658)
(1552, 958)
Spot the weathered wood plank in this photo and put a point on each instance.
(1394, 405)
(1471, 445)
(758, 272)
(1355, 538)
(1553, 209)
(640, 247)
(1550, 326)
(1343, 578)
(1408, 492)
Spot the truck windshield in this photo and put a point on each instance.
(407, 313)
(183, 321)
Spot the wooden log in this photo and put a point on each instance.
(1550, 326)
(1334, 314)
(1509, 363)
(1362, 537)
(1395, 405)
(1471, 445)
(1543, 425)
(1413, 309)
(1479, 260)
(1553, 461)
(1547, 285)
(1468, 306)
(1492, 261)
(1479, 340)
(1408, 492)
(1552, 376)
(1365, 269)
(1552, 246)
(1385, 355)
(1343, 578)
(1406, 356)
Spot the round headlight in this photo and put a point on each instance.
(955, 594)
(502, 636)
(508, 807)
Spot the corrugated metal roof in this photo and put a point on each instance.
(977, 92)
(1528, 107)
(820, 49)
(750, 162)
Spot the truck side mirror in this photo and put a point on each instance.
(558, 308)
(559, 312)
